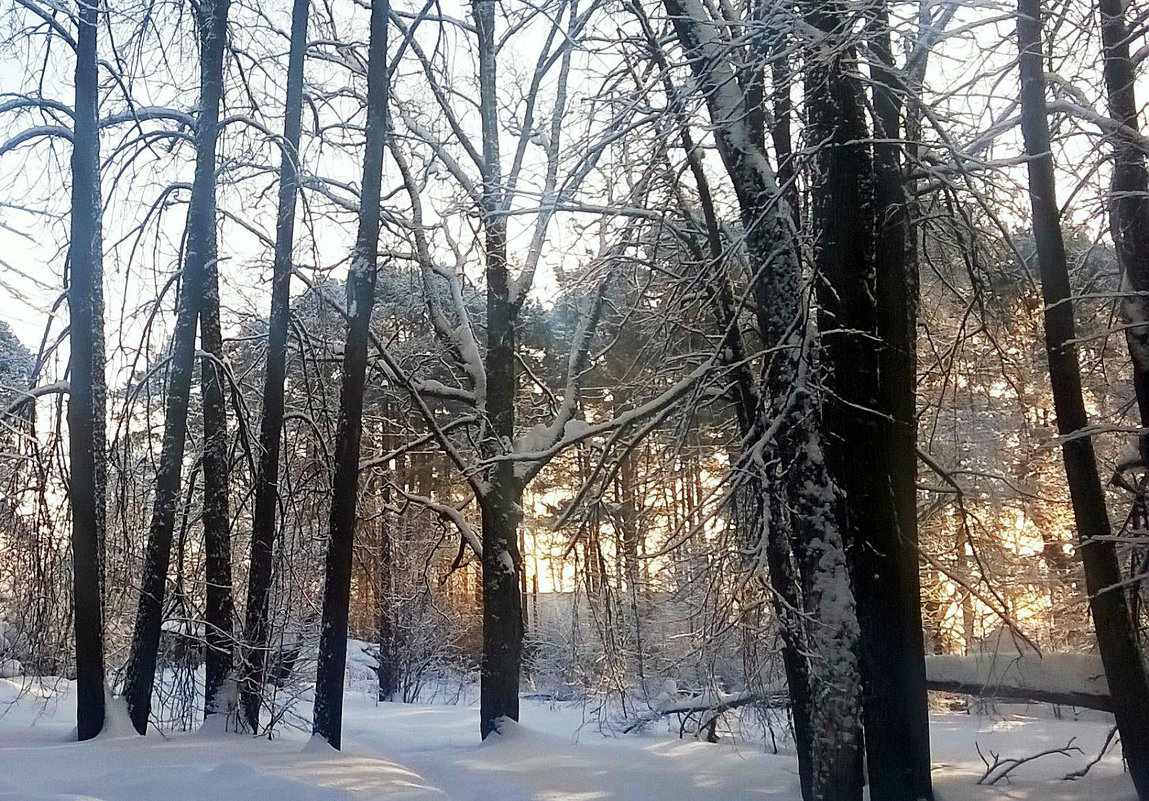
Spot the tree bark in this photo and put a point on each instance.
(822, 666)
(87, 401)
(1124, 669)
(502, 612)
(888, 583)
(220, 611)
(328, 721)
(256, 629)
(1129, 201)
(388, 671)
(212, 23)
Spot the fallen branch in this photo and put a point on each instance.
(1080, 773)
(712, 704)
(1001, 768)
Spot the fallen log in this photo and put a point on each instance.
(1065, 679)
(710, 704)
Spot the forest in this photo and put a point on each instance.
(565, 400)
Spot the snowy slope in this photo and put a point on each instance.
(395, 752)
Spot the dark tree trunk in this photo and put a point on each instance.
(212, 23)
(86, 404)
(759, 523)
(842, 216)
(888, 583)
(388, 671)
(388, 666)
(1129, 201)
(220, 612)
(328, 722)
(820, 664)
(502, 612)
(1124, 669)
(271, 423)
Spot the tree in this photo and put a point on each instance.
(1116, 640)
(256, 627)
(220, 608)
(86, 402)
(808, 547)
(211, 20)
(328, 720)
(502, 615)
(489, 371)
(1128, 199)
(867, 291)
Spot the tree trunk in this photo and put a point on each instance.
(842, 216)
(212, 22)
(388, 665)
(388, 671)
(256, 629)
(888, 584)
(86, 404)
(502, 612)
(1124, 670)
(1129, 201)
(328, 722)
(220, 612)
(825, 683)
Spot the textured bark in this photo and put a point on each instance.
(819, 659)
(760, 511)
(1124, 669)
(801, 536)
(256, 630)
(888, 584)
(328, 722)
(212, 23)
(86, 403)
(842, 217)
(388, 671)
(835, 699)
(502, 612)
(1129, 200)
(220, 612)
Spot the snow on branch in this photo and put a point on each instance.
(711, 704)
(451, 514)
(26, 395)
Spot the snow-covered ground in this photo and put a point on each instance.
(396, 752)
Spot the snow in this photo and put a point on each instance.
(1003, 672)
(398, 752)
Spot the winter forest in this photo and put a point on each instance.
(574, 400)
